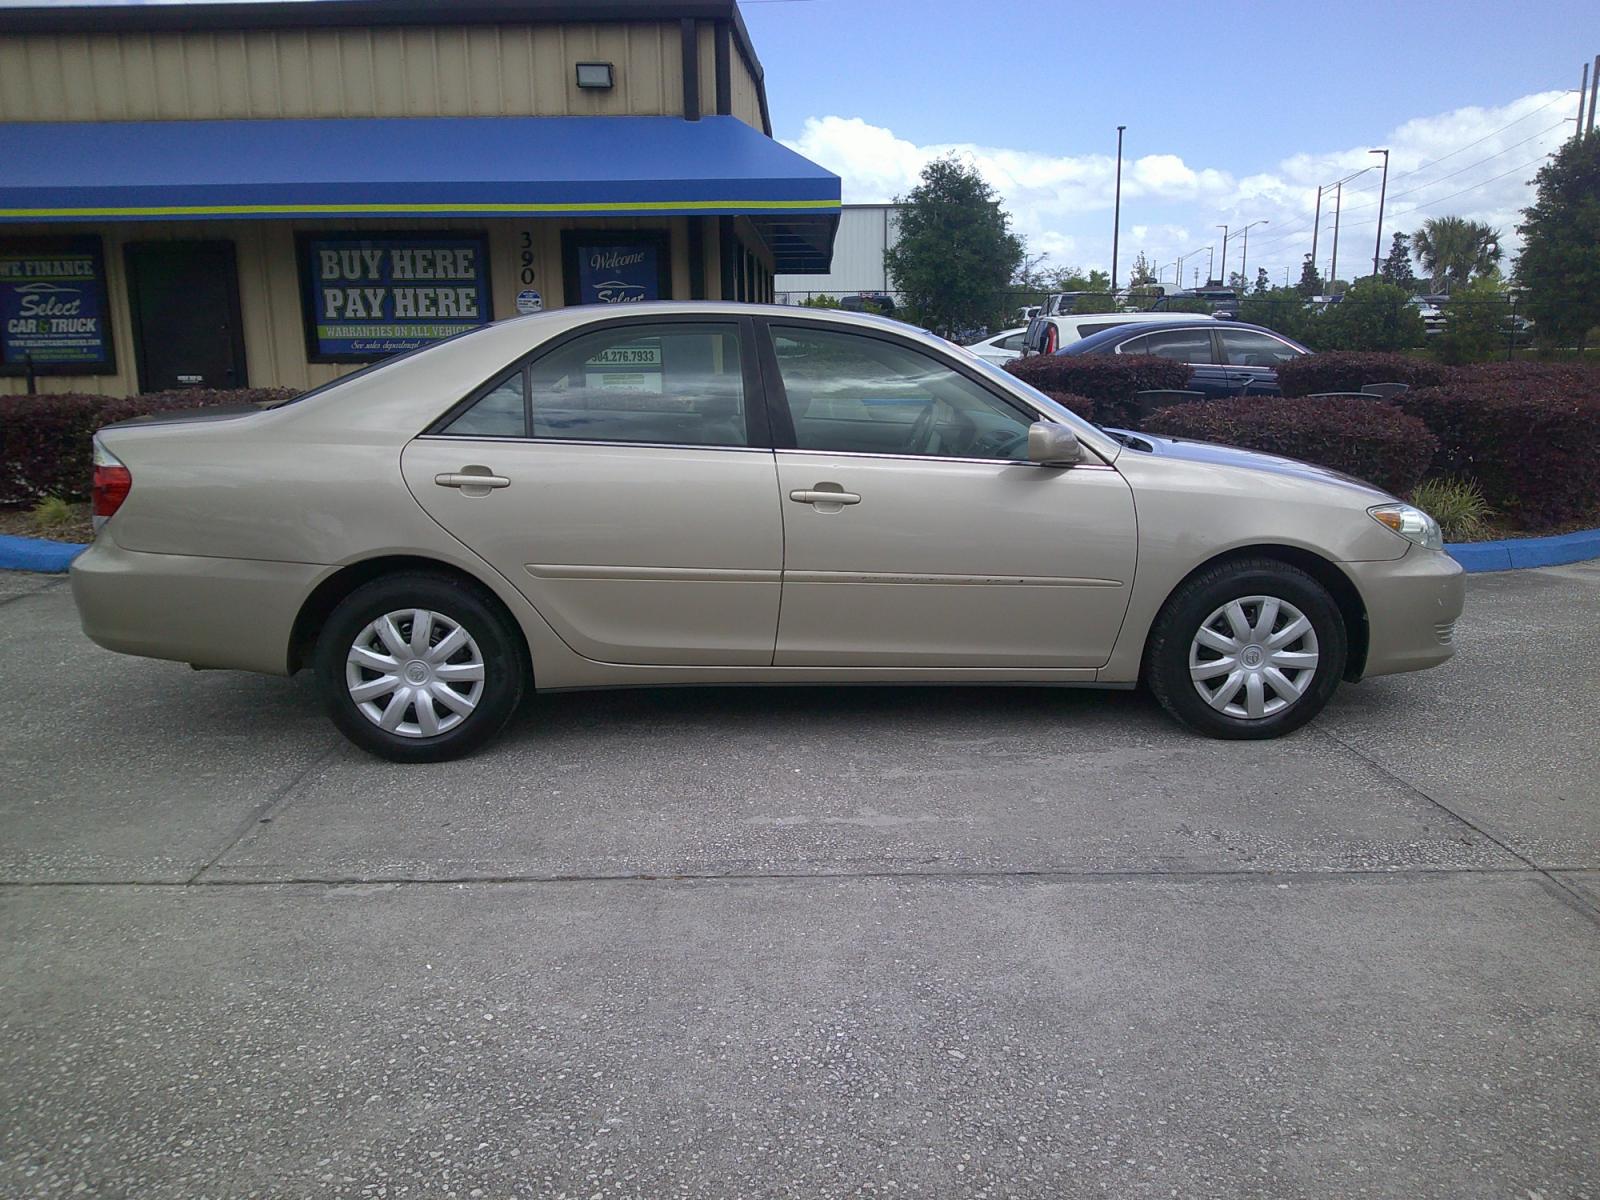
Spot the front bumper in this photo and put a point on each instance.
(1412, 605)
(212, 612)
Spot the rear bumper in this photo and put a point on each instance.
(1412, 605)
(213, 612)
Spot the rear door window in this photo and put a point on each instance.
(1180, 345)
(1247, 348)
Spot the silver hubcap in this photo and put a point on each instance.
(415, 673)
(1253, 657)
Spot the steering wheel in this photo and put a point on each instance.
(921, 436)
(1003, 446)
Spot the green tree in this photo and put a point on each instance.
(820, 300)
(1310, 281)
(1452, 250)
(1282, 309)
(956, 251)
(1143, 271)
(1372, 316)
(1475, 322)
(1560, 260)
(1263, 283)
(1397, 267)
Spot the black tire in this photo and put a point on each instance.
(499, 644)
(1167, 655)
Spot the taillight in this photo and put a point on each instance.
(112, 483)
(1050, 339)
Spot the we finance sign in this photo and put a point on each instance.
(370, 296)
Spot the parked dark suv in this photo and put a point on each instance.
(1229, 358)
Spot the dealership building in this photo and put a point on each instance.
(270, 194)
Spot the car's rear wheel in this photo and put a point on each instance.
(1249, 649)
(419, 668)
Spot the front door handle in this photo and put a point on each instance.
(823, 496)
(473, 482)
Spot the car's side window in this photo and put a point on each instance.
(673, 384)
(1246, 348)
(855, 394)
(1180, 345)
(1014, 342)
(499, 412)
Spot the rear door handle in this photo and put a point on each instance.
(463, 479)
(813, 496)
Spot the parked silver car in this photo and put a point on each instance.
(660, 494)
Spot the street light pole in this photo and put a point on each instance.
(1244, 253)
(1211, 261)
(1377, 247)
(1224, 229)
(1116, 220)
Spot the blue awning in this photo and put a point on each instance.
(421, 167)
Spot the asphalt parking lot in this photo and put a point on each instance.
(808, 943)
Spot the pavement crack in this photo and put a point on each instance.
(1045, 875)
(1570, 894)
(263, 812)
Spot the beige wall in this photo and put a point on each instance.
(269, 283)
(484, 70)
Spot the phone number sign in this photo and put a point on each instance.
(372, 295)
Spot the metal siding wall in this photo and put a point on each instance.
(746, 98)
(499, 70)
(857, 255)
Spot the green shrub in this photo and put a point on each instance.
(1365, 438)
(822, 301)
(53, 513)
(1372, 316)
(1459, 506)
(1280, 309)
(1474, 323)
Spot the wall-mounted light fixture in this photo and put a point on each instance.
(594, 75)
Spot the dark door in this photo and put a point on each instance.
(1253, 358)
(186, 327)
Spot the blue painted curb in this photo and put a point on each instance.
(1515, 553)
(37, 554)
(40, 554)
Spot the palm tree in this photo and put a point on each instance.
(1452, 250)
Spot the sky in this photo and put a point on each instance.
(1235, 113)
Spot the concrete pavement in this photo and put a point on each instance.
(820, 942)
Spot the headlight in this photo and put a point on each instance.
(1410, 523)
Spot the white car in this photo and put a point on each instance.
(1002, 347)
(1046, 335)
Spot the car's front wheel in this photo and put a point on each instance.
(419, 668)
(1249, 649)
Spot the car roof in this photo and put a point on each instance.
(1095, 340)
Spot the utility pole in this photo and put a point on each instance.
(1594, 91)
(1583, 90)
(1224, 229)
(1333, 267)
(1244, 254)
(1316, 228)
(1116, 220)
(1211, 261)
(1383, 190)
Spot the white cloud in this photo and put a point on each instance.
(1446, 163)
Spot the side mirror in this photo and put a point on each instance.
(1053, 445)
